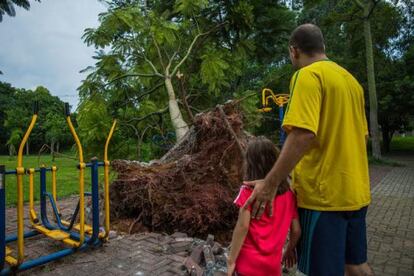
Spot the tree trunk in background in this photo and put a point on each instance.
(373, 104)
(386, 139)
(180, 126)
(27, 147)
(52, 150)
(12, 150)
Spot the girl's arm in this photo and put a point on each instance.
(289, 257)
(239, 234)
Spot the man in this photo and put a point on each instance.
(326, 149)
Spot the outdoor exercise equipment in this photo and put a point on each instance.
(280, 100)
(76, 236)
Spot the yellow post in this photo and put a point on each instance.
(54, 192)
(33, 215)
(106, 181)
(82, 166)
(20, 194)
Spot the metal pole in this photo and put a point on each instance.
(95, 199)
(2, 216)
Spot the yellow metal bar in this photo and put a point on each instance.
(106, 181)
(88, 228)
(19, 177)
(81, 182)
(58, 235)
(9, 259)
(264, 98)
(33, 215)
(54, 191)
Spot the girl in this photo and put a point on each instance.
(256, 247)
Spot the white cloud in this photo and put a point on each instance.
(43, 46)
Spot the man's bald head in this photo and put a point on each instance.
(308, 39)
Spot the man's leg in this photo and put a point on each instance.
(321, 250)
(356, 245)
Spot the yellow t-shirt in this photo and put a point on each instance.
(333, 175)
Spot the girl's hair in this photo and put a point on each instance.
(261, 155)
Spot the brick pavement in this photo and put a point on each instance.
(390, 237)
(390, 222)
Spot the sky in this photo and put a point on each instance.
(43, 46)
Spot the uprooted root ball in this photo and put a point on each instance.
(192, 188)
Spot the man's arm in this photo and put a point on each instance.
(296, 145)
(239, 234)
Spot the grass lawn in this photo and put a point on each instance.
(67, 176)
(402, 144)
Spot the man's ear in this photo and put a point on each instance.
(295, 52)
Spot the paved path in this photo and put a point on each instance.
(390, 237)
(391, 222)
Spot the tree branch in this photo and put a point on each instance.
(359, 4)
(159, 112)
(220, 108)
(150, 91)
(153, 67)
(372, 9)
(159, 52)
(167, 69)
(192, 45)
(132, 75)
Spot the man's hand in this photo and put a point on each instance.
(263, 194)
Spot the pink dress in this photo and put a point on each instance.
(261, 253)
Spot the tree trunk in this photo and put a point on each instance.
(12, 150)
(52, 151)
(27, 147)
(373, 104)
(180, 126)
(58, 146)
(386, 139)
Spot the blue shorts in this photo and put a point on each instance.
(331, 239)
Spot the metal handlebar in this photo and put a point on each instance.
(81, 176)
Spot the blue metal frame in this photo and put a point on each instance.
(92, 240)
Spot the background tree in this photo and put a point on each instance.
(7, 7)
(390, 30)
(6, 101)
(367, 7)
(15, 115)
(236, 46)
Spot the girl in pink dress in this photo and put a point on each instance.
(256, 247)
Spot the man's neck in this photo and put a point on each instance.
(308, 60)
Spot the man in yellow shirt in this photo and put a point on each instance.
(326, 149)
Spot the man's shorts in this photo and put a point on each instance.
(331, 239)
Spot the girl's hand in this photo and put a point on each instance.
(231, 266)
(289, 258)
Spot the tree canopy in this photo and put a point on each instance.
(158, 63)
(16, 109)
(8, 7)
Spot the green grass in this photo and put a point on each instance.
(66, 177)
(398, 145)
(384, 162)
(402, 144)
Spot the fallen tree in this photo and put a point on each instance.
(191, 188)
